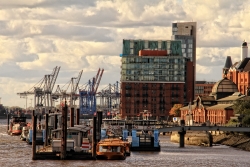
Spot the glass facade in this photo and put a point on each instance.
(132, 47)
(153, 68)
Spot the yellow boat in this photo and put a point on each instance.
(112, 148)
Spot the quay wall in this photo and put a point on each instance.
(236, 140)
(194, 138)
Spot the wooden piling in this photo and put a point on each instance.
(64, 132)
(55, 123)
(72, 117)
(34, 125)
(99, 124)
(182, 137)
(77, 116)
(94, 138)
(8, 122)
(46, 129)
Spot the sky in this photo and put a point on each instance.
(38, 35)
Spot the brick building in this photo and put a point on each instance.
(203, 88)
(215, 108)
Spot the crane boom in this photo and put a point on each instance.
(98, 81)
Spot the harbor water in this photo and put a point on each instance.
(16, 153)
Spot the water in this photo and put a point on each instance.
(16, 153)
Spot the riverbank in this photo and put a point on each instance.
(240, 141)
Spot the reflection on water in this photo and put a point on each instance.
(16, 153)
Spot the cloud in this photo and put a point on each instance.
(36, 36)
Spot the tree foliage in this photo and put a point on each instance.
(242, 107)
(175, 110)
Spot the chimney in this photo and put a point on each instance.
(244, 50)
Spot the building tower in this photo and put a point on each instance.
(153, 75)
(244, 50)
(186, 33)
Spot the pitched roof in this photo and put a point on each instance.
(244, 63)
(235, 96)
(187, 107)
(220, 107)
(247, 67)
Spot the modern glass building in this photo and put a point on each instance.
(153, 75)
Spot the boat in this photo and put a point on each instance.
(16, 125)
(25, 132)
(112, 148)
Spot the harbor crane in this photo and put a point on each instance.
(42, 91)
(109, 98)
(65, 94)
(87, 93)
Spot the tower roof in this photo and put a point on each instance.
(244, 43)
(224, 86)
(228, 63)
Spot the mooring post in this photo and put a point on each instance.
(39, 124)
(77, 116)
(94, 138)
(8, 122)
(55, 124)
(182, 137)
(72, 117)
(64, 132)
(99, 124)
(46, 129)
(34, 125)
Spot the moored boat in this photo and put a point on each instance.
(112, 148)
(16, 125)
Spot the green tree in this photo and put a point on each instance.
(242, 107)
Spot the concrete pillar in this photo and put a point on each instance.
(72, 117)
(77, 116)
(182, 137)
(34, 125)
(94, 138)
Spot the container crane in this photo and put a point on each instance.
(109, 97)
(87, 101)
(42, 91)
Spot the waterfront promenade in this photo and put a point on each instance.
(16, 153)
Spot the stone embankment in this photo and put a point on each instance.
(234, 140)
(200, 138)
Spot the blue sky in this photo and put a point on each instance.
(36, 36)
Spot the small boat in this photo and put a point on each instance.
(112, 148)
(16, 125)
(25, 132)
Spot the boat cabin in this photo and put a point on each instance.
(77, 137)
